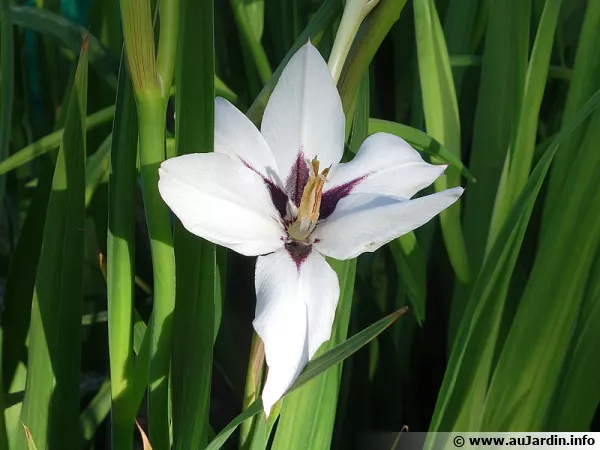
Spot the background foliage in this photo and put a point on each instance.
(109, 304)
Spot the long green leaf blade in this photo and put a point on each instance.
(442, 121)
(120, 262)
(51, 403)
(197, 275)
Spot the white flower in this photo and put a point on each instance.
(266, 193)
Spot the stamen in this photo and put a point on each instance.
(308, 212)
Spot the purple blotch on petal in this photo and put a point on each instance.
(297, 179)
(330, 198)
(298, 252)
(278, 197)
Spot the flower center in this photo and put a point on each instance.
(310, 204)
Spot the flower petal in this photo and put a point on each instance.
(223, 201)
(236, 136)
(364, 222)
(304, 115)
(297, 293)
(385, 165)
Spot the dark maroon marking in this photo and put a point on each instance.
(330, 199)
(298, 252)
(278, 197)
(297, 179)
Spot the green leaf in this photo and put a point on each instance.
(95, 412)
(584, 82)
(520, 157)
(314, 368)
(120, 263)
(51, 403)
(411, 264)
(502, 76)
(462, 397)
(442, 121)
(196, 269)
(52, 141)
(547, 312)
(578, 396)
(96, 168)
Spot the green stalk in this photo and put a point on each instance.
(151, 113)
(152, 82)
(355, 12)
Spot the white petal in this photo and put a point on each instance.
(236, 136)
(387, 165)
(363, 222)
(295, 308)
(223, 201)
(304, 114)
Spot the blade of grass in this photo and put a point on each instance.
(51, 403)
(503, 73)
(196, 269)
(20, 280)
(502, 76)
(120, 263)
(578, 396)
(314, 368)
(458, 30)
(52, 141)
(520, 155)
(462, 395)
(411, 264)
(442, 121)
(546, 315)
(96, 168)
(584, 82)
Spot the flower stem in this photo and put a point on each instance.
(354, 13)
(151, 76)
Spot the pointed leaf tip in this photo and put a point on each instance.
(145, 440)
(85, 45)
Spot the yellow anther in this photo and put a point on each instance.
(310, 204)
